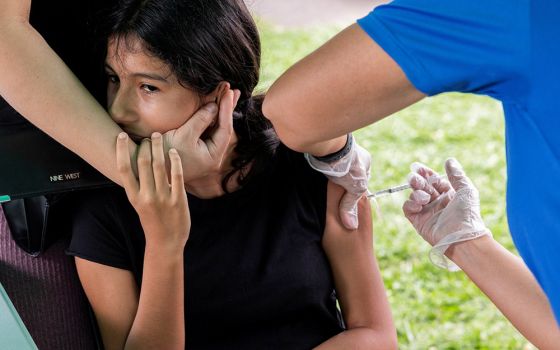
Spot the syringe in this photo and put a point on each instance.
(389, 190)
(432, 179)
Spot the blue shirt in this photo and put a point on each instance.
(509, 50)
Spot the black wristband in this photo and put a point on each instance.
(338, 155)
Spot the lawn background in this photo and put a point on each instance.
(432, 308)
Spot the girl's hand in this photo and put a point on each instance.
(202, 146)
(162, 206)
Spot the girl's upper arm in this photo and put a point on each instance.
(113, 295)
(358, 282)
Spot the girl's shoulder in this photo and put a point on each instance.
(292, 172)
(100, 200)
(294, 165)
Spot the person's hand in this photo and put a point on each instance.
(444, 211)
(201, 144)
(352, 173)
(162, 206)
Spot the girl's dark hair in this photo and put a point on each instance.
(206, 42)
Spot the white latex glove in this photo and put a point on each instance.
(352, 173)
(444, 212)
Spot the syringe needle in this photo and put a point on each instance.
(389, 190)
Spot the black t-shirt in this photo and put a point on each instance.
(256, 275)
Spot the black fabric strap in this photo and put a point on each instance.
(27, 220)
(333, 157)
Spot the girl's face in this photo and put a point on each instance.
(143, 95)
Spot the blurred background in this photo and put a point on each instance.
(298, 14)
(432, 308)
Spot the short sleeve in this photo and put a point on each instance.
(97, 230)
(456, 45)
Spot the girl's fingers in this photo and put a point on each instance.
(128, 179)
(158, 164)
(236, 96)
(220, 138)
(145, 172)
(177, 186)
(199, 122)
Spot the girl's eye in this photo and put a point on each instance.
(149, 88)
(113, 79)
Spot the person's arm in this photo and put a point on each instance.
(163, 210)
(38, 84)
(347, 83)
(152, 318)
(447, 214)
(113, 295)
(358, 281)
(133, 319)
(509, 284)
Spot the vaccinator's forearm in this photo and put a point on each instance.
(509, 284)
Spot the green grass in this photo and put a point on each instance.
(432, 308)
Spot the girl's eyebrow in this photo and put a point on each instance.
(108, 67)
(151, 76)
(148, 75)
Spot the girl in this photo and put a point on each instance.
(253, 258)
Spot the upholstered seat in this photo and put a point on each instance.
(47, 294)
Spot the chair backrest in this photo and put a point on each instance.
(47, 294)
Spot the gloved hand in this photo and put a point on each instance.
(444, 212)
(351, 171)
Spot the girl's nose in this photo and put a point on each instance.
(120, 109)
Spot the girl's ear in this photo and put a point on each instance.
(220, 90)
